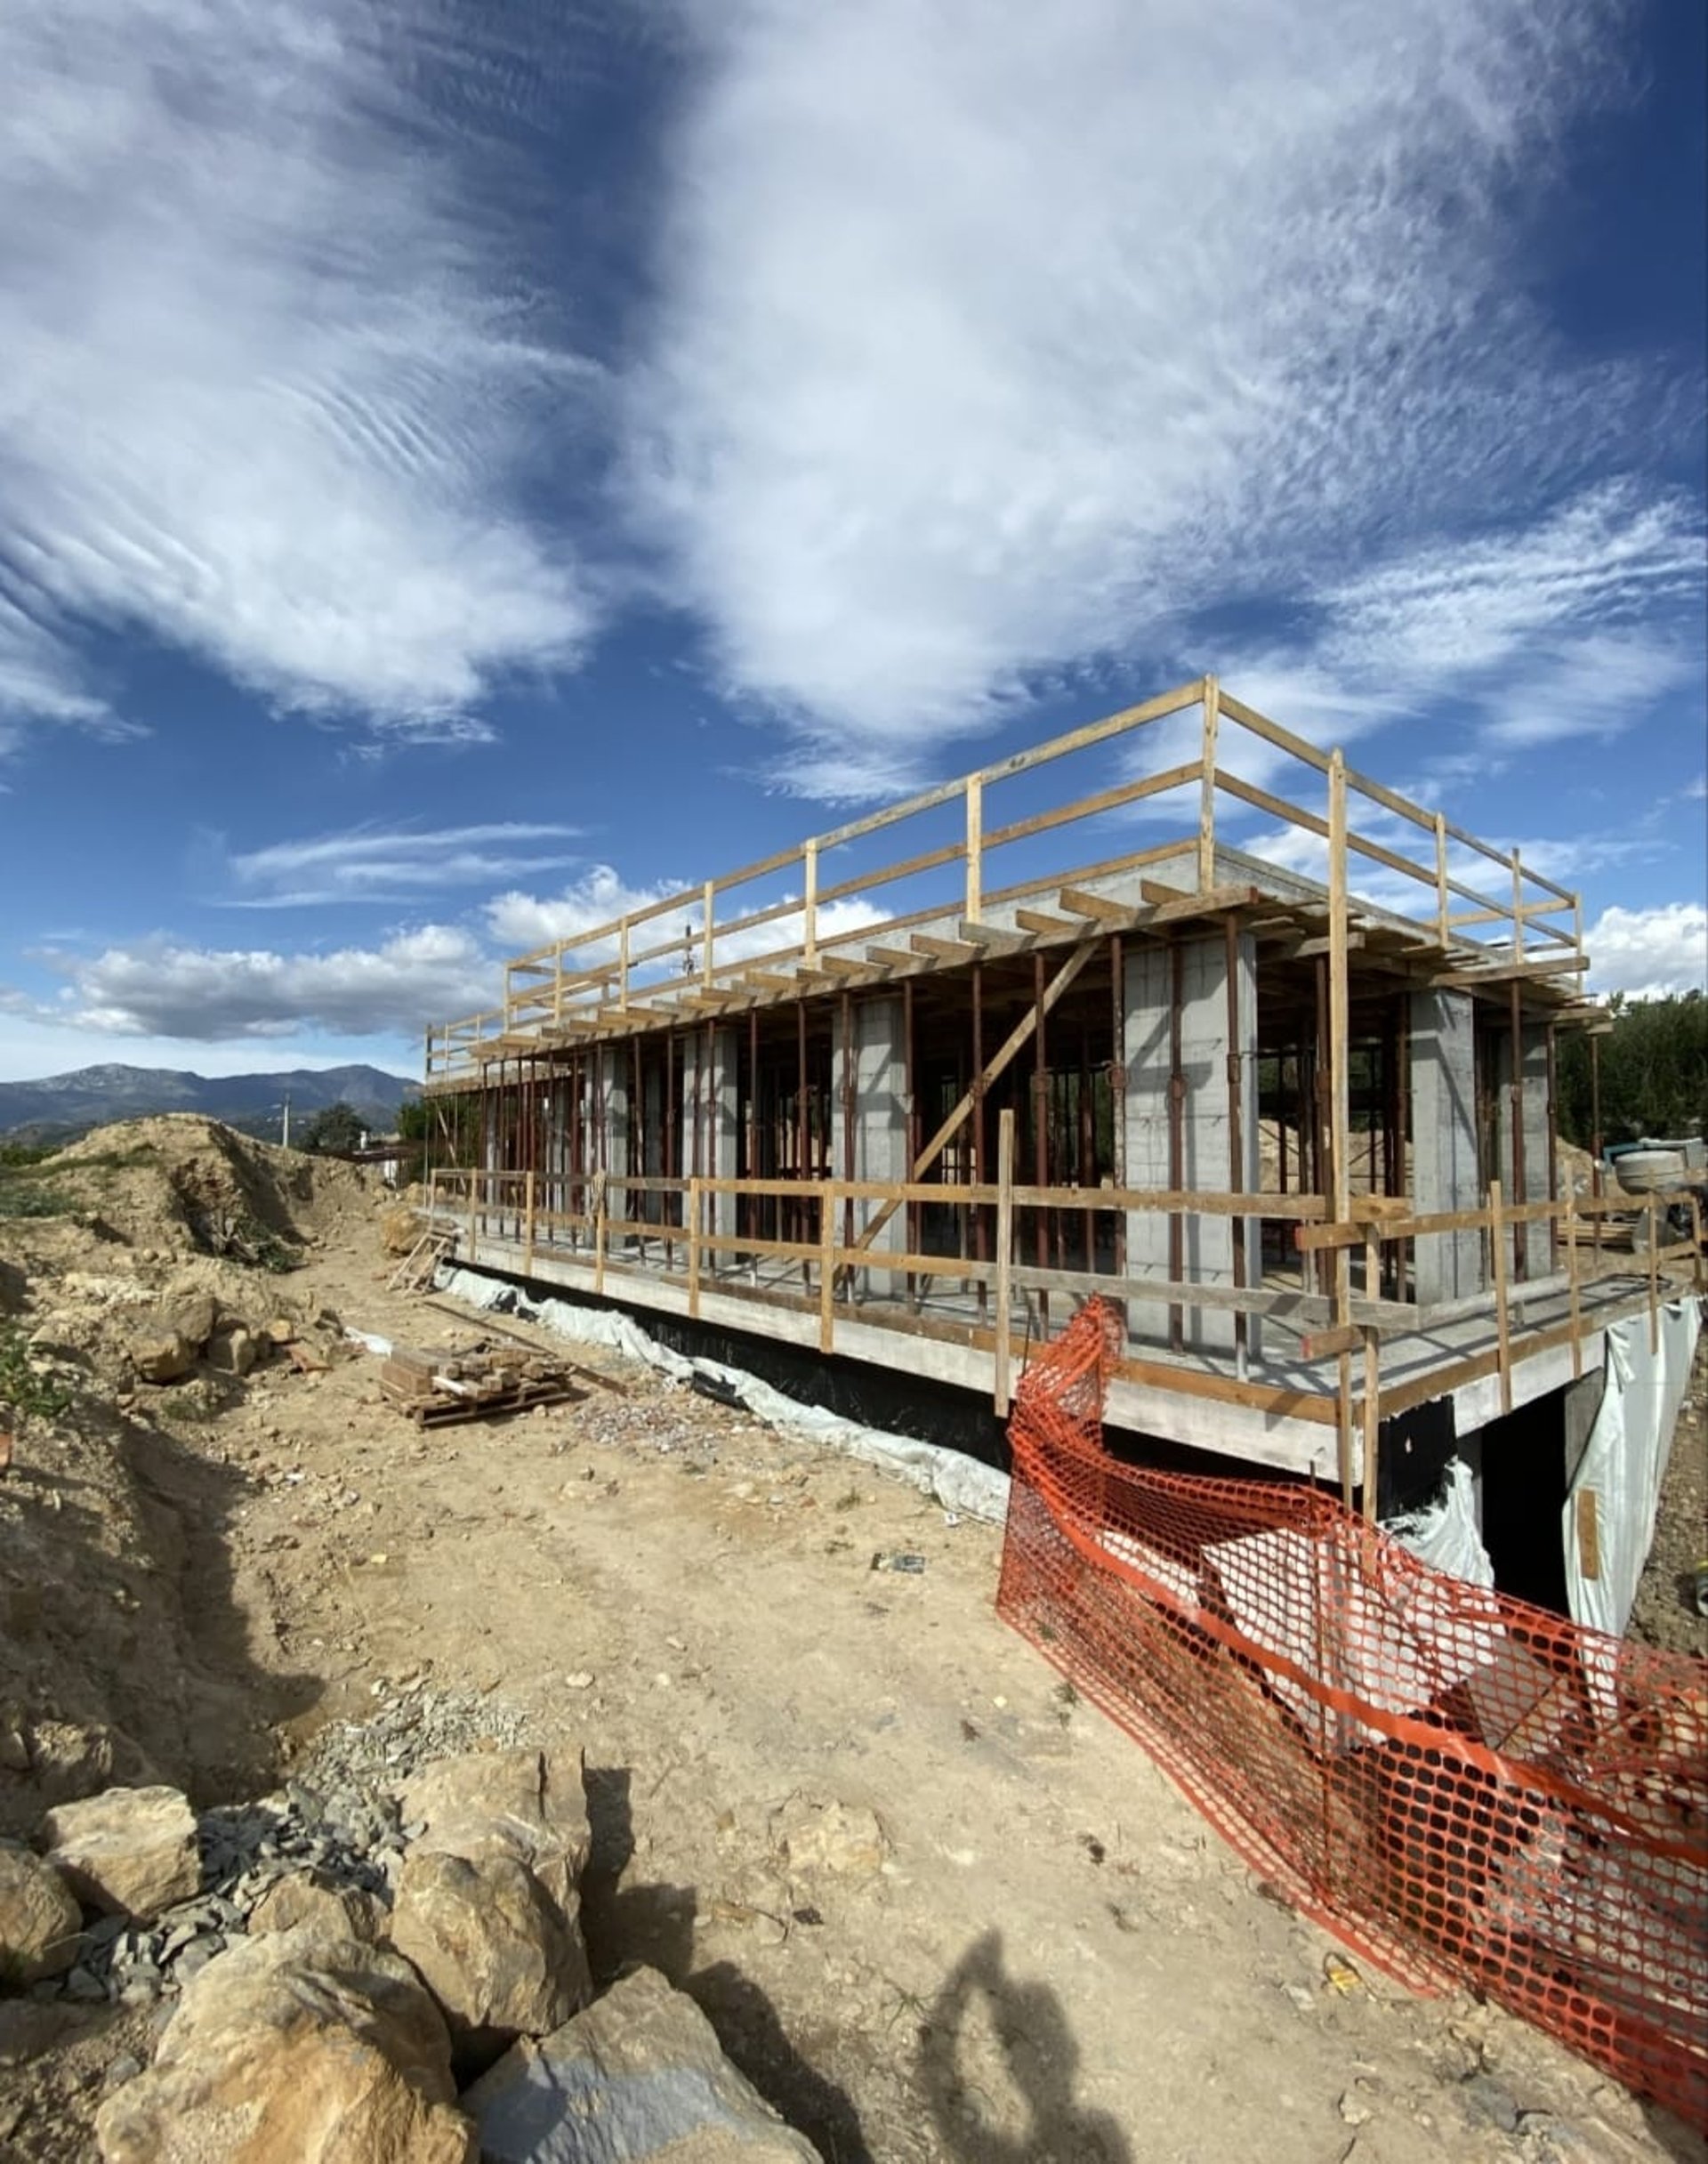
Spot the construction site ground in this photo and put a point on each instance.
(1040, 1950)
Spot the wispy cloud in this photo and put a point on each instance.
(997, 340)
(380, 863)
(275, 383)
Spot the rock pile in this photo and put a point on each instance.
(344, 1956)
(168, 1343)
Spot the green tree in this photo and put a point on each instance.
(336, 1131)
(1654, 1065)
(446, 1127)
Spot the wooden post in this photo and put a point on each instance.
(975, 845)
(1340, 1110)
(1497, 1257)
(809, 902)
(1207, 792)
(1371, 1420)
(1517, 915)
(707, 906)
(694, 1213)
(1570, 1235)
(621, 970)
(474, 1203)
(601, 1216)
(826, 1265)
(1656, 1224)
(1443, 932)
(528, 1221)
(1002, 1372)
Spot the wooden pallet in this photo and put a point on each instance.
(525, 1398)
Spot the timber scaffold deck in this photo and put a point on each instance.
(1142, 1039)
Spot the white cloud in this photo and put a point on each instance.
(159, 989)
(520, 922)
(274, 384)
(1649, 953)
(996, 338)
(378, 863)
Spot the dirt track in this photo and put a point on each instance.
(1054, 1957)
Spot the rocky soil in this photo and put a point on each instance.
(933, 1906)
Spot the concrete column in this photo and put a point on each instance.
(711, 1110)
(611, 1118)
(650, 1140)
(1207, 1243)
(1533, 1056)
(879, 1053)
(1445, 1172)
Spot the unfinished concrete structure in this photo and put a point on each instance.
(1244, 1063)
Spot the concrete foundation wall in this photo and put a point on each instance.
(1445, 1172)
(1207, 1243)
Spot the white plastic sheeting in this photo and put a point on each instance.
(1609, 1516)
(1443, 1534)
(958, 1482)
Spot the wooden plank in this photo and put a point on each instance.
(827, 1274)
(1207, 790)
(990, 938)
(975, 844)
(810, 902)
(696, 1212)
(1094, 807)
(844, 965)
(1098, 907)
(892, 958)
(944, 950)
(1002, 1366)
(1052, 927)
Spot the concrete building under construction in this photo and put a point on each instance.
(1177, 1008)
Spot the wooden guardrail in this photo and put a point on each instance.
(520, 1209)
(623, 971)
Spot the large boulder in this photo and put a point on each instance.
(492, 1946)
(636, 2077)
(521, 1804)
(307, 1899)
(39, 1920)
(128, 1852)
(295, 2050)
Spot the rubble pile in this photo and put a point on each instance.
(384, 1960)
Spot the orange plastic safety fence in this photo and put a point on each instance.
(1466, 1790)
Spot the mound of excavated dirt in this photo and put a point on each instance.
(121, 1656)
(180, 1179)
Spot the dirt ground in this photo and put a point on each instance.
(1047, 1956)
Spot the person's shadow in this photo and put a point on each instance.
(1042, 2057)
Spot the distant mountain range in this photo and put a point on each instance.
(59, 1106)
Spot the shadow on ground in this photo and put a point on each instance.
(624, 1925)
(1042, 2059)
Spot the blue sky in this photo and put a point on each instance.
(468, 467)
